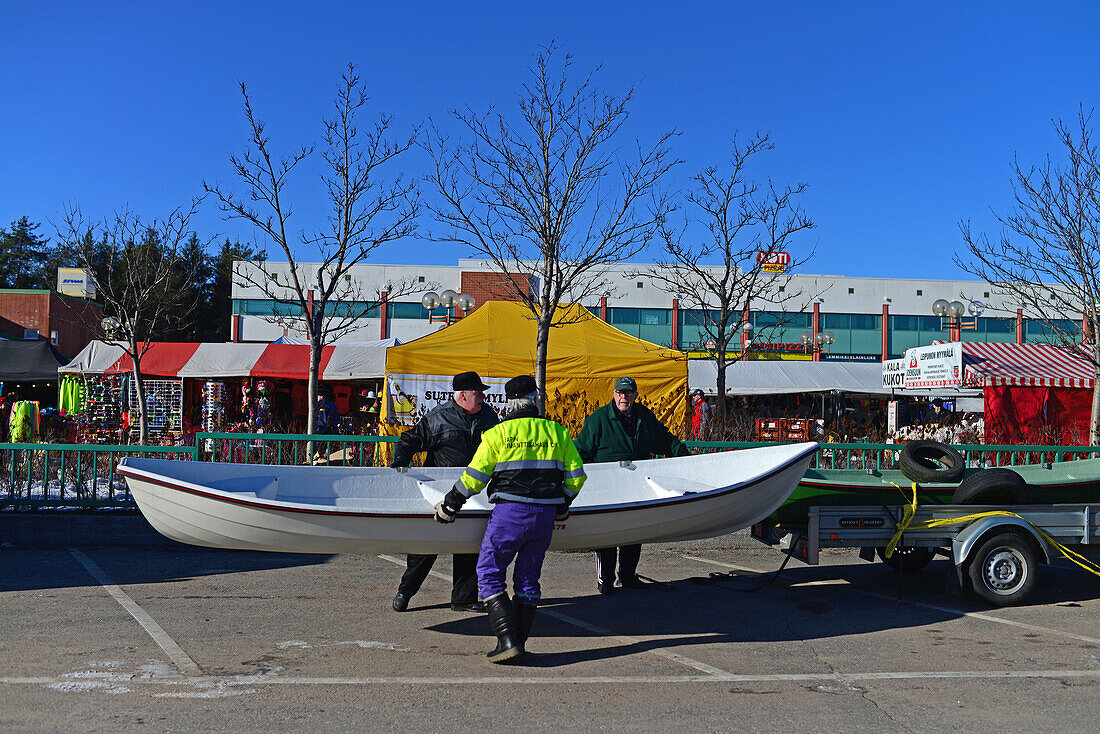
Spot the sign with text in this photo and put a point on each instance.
(75, 282)
(410, 397)
(893, 374)
(773, 262)
(936, 366)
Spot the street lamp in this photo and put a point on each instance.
(951, 311)
(818, 342)
(110, 325)
(447, 299)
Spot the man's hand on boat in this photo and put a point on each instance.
(445, 514)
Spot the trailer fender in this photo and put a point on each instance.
(969, 537)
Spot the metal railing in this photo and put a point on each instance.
(864, 456)
(286, 449)
(39, 475)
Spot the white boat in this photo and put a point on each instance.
(307, 509)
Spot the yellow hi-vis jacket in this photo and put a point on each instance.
(529, 459)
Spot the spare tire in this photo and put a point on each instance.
(992, 487)
(931, 461)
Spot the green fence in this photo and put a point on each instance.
(871, 456)
(293, 449)
(39, 475)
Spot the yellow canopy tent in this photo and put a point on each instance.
(498, 341)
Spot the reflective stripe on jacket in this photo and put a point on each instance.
(529, 459)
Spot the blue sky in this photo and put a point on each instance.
(902, 118)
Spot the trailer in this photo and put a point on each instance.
(996, 551)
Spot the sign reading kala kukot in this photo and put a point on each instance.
(940, 365)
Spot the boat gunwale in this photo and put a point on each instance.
(283, 506)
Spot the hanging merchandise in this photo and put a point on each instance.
(263, 404)
(24, 421)
(248, 406)
(213, 409)
(163, 406)
(213, 406)
(101, 418)
(72, 395)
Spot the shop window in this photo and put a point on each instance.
(622, 315)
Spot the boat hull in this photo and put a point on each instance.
(1068, 482)
(191, 512)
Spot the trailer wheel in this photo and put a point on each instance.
(907, 557)
(992, 487)
(931, 461)
(1002, 570)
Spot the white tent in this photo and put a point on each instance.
(779, 377)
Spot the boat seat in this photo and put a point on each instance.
(667, 487)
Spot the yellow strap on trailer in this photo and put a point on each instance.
(906, 523)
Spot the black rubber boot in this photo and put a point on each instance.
(509, 648)
(525, 618)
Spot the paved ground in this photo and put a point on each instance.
(105, 626)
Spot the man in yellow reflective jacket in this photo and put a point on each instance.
(536, 472)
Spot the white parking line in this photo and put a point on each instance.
(175, 653)
(432, 681)
(603, 631)
(935, 607)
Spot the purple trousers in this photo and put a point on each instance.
(516, 531)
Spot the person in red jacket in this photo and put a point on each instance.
(700, 415)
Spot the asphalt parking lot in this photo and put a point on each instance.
(106, 626)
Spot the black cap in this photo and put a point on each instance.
(697, 391)
(468, 381)
(519, 387)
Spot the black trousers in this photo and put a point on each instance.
(628, 563)
(463, 576)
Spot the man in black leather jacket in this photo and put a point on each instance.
(449, 435)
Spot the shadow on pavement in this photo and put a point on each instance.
(732, 609)
(35, 552)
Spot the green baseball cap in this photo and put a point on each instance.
(626, 384)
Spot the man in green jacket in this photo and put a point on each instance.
(624, 430)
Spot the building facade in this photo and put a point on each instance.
(869, 319)
(65, 321)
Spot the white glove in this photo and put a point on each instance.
(444, 514)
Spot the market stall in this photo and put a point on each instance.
(779, 400)
(1031, 393)
(498, 341)
(216, 386)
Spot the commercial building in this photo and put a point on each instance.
(869, 319)
(62, 320)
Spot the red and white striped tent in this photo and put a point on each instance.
(990, 364)
(357, 361)
(1033, 393)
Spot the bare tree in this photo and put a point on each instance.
(366, 212)
(1047, 258)
(545, 197)
(719, 258)
(137, 268)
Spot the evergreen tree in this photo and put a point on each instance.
(26, 258)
